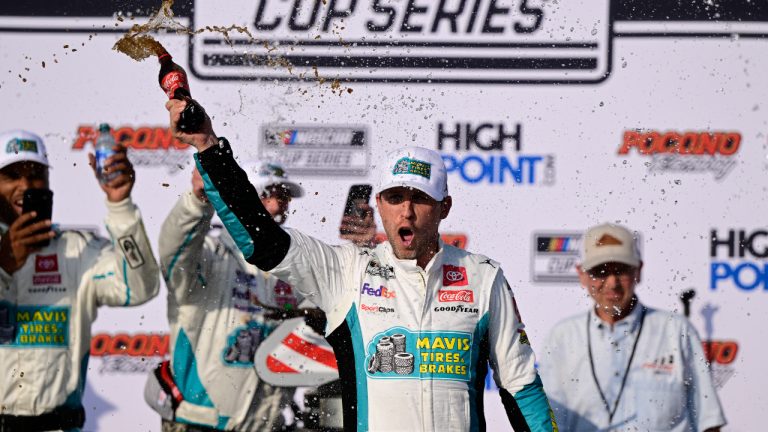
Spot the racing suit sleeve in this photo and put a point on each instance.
(260, 239)
(181, 246)
(314, 268)
(513, 362)
(125, 272)
(704, 406)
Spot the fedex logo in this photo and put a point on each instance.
(46, 263)
(454, 275)
(466, 296)
(382, 291)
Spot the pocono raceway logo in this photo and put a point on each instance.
(685, 152)
(739, 259)
(720, 353)
(148, 146)
(479, 154)
(129, 353)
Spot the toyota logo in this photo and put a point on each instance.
(454, 276)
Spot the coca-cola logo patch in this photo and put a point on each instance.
(46, 263)
(465, 296)
(454, 275)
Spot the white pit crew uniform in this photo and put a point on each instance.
(48, 305)
(668, 386)
(412, 345)
(216, 325)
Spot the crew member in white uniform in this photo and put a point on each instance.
(49, 295)
(624, 366)
(220, 309)
(414, 322)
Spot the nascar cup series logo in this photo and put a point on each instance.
(462, 41)
(400, 353)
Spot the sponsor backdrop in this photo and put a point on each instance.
(551, 117)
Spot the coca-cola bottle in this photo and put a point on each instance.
(173, 81)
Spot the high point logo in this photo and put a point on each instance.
(730, 265)
(479, 41)
(685, 152)
(148, 146)
(479, 154)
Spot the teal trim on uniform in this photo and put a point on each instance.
(361, 379)
(75, 399)
(230, 220)
(185, 372)
(181, 248)
(534, 405)
(127, 287)
(111, 237)
(481, 329)
(222, 423)
(102, 275)
(200, 277)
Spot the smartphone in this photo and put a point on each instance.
(40, 201)
(357, 193)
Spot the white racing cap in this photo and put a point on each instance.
(262, 175)
(609, 243)
(415, 167)
(21, 146)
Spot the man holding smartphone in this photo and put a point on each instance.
(413, 322)
(52, 282)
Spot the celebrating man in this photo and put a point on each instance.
(413, 322)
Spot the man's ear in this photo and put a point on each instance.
(638, 275)
(445, 207)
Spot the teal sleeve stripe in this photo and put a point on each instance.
(125, 280)
(534, 406)
(230, 220)
(176, 256)
(185, 372)
(361, 379)
(478, 360)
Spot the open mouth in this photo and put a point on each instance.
(406, 236)
(18, 205)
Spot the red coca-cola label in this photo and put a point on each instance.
(46, 263)
(174, 80)
(46, 279)
(466, 296)
(454, 275)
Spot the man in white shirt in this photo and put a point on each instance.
(623, 365)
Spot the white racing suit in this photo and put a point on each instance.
(412, 345)
(48, 305)
(217, 324)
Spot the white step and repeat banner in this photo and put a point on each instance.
(551, 115)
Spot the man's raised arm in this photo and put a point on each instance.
(261, 240)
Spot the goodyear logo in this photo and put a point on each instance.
(413, 166)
